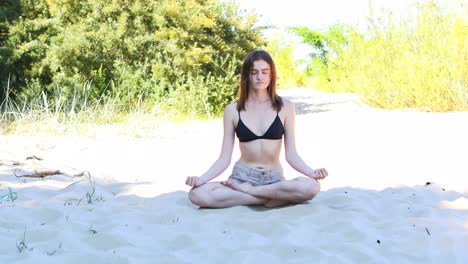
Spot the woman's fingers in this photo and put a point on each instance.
(321, 173)
(191, 180)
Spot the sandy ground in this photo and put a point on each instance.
(397, 193)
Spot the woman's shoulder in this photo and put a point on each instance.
(285, 100)
(287, 104)
(231, 108)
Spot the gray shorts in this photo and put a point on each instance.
(256, 176)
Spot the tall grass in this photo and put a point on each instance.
(190, 97)
(77, 116)
(43, 114)
(419, 61)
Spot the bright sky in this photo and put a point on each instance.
(315, 14)
(319, 14)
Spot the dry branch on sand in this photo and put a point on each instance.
(34, 157)
(40, 174)
(37, 173)
(45, 173)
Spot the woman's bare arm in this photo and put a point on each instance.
(224, 159)
(291, 155)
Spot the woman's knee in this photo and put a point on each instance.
(309, 188)
(199, 197)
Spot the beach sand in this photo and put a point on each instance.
(397, 193)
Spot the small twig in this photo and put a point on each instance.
(34, 157)
(40, 174)
(21, 245)
(427, 230)
(80, 174)
(73, 183)
(10, 163)
(91, 230)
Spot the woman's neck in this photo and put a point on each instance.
(259, 97)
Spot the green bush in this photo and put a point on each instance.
(124, 51)
(419, 61)
(290, 71)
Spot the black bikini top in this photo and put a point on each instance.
(275, 131)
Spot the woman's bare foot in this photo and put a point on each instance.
(241, 187)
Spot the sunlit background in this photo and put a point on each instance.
(316, 14)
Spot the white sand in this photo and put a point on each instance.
(379, 163)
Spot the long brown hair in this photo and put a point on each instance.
(244, 85)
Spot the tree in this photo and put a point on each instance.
(326, 45)
(123, 48)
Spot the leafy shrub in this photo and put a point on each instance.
(125, 50)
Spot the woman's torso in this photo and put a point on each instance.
(261, 120)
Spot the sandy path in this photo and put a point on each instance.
(366, 147)
(375, 206)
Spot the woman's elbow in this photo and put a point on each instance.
(291, 157)
(224, 162)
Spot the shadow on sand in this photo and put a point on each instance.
(317, 102)
(116, 220)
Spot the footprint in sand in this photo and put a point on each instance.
(180, 242)
(105, 242)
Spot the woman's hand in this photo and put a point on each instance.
(194, 181)
(319, 174)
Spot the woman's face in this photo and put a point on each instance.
(260, 75)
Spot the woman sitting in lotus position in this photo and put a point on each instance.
(260, 118)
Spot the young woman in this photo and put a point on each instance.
(260, 119)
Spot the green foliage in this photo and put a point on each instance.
(204, 94)
(9, 11)
(419, 61)
(21, 245)
(10, 196)
(290, 72)
(127, 51)
(325, 45)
